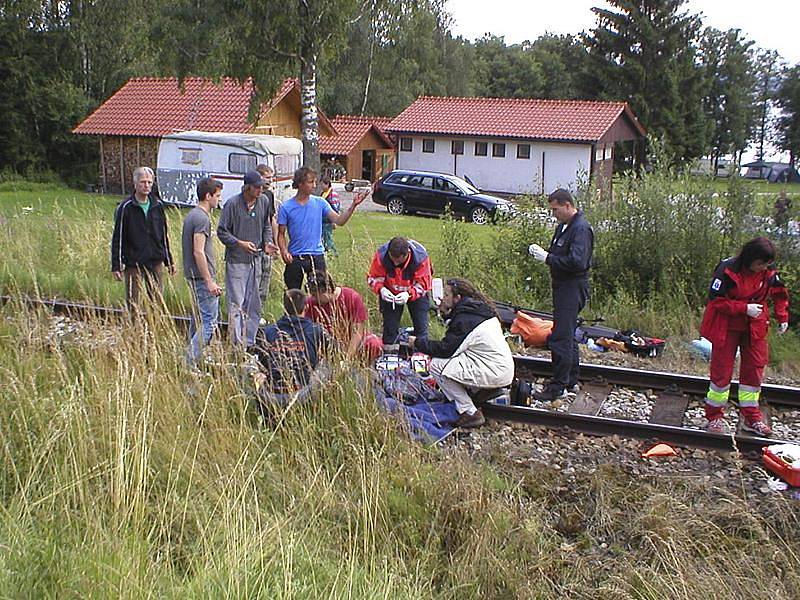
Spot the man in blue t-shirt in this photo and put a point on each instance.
(302, 216)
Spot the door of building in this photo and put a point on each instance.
(368, 165)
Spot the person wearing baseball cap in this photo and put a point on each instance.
(245, 230)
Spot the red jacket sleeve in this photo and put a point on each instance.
(377, 274)
(729, 307)
(780, 302)
(423, 280)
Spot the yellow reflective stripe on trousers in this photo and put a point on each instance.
(748, 396)
(717, 397)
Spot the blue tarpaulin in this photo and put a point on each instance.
(429, 416)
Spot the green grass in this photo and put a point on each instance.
(123, 475)
(56, 244)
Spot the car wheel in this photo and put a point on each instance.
(395, 205)
(479, 215)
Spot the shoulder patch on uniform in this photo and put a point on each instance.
(716, 284)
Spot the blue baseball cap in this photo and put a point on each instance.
(254, 178)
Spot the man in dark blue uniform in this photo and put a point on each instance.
(569, 258)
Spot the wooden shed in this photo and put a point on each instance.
(130, 123)
(362, 148)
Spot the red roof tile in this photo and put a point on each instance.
(155, 106)
(150, 106)
(351, 130)
(568, 120)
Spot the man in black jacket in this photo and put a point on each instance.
(139, 245)
(569, 258)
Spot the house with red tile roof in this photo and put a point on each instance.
(132, 121)
(514, 145)
(362, 149)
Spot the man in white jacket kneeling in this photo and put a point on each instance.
(473, 355)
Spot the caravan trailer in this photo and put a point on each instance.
(186, 157)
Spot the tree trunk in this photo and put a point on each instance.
(369, 72)
(309, 120)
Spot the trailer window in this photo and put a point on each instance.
(241, 163)
(190, 156)
(286, 164)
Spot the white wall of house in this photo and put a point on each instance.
(564, 164)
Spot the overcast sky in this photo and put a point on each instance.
(771, 24)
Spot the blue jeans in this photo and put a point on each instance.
(244, 303)
(207, 307)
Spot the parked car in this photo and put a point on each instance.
(408, 192)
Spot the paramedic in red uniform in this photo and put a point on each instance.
(400, 274)
(737, 318)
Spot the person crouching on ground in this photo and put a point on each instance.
(401, 275)
(473, 355)
(736, 318)
(341, 311)
(290, 352)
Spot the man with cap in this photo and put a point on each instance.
(245, 230)
(569, 258)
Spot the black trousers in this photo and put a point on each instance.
(392, 314)
(569, 298)
(302, 263)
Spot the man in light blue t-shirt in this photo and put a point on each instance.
(302, 216)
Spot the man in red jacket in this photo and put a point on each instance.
(400, 274)
(736, 318)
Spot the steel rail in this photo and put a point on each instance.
(693, 385)
(528, 366)
(604, 426)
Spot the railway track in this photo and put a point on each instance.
(673, 394)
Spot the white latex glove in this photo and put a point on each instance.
(754, 310)
(401, 297)
(388, 296)
(537, 252)
(783, 327)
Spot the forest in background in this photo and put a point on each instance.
(701, 91)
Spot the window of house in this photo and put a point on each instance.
(481, 148)
(190, 156)
(498, 150)
(457, 147)
(523, 150)
(428, 145)
(241, 163)
(406, 144)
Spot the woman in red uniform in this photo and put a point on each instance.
(737, 318)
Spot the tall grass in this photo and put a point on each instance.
(125, 476)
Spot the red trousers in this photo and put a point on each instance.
(754, 357)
